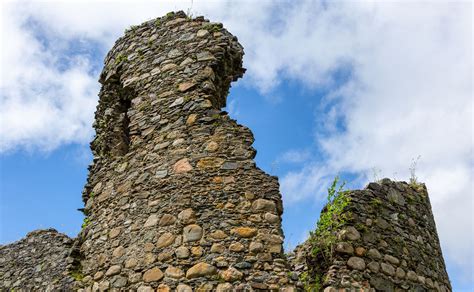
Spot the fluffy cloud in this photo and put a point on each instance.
(399, 79)
(43, 103)
(409, 94)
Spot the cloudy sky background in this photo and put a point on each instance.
(356, 88)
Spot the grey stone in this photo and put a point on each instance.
(204, 56)
(151, 221)
(119, 282)
(113, 270)
(177, 102)
(387, 269)
(381, 284)
(374, 254)
(396, 197)
(400, 273)
(374, 267)
(350, 233)
(182, 252)
(263, 205)
(356, 263)
(174, 53)
(344, 247)
(192, 232)
(229, 165)
(161, 173)
(391, 259)
(382, 223)
(412, 276)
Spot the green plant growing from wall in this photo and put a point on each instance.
(77, 275)
(85, 223)
(140, 54)
(376, 203)
(376, 174)
(132, 28)
(323, 239)
(332, 218)
(121, 58)
(212, 27)
(189, 13)
(412, 168)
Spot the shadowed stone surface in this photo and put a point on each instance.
(37, 262)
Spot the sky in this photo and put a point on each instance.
(359, 89)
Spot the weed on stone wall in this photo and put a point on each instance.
(324, 238)
(85, 223)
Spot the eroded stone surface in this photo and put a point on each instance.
(173, 168)
(36, 263)
(379, 246)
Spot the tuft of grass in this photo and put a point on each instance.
(86, 222)
(78, 276)
(132, 28)
(376, 174)
(121, 58)
(412, 168)
(189, 13)
(212, 27)
(376, 202)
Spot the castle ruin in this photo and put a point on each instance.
(175, 202)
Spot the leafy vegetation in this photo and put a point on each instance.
(86, 222)
(77, 275)
(376, 202)
(121, 58)
(323, 239)
(213, 27)
(132, 28)
(332, 218)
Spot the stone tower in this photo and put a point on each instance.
(174, 199)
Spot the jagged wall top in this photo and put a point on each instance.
(150, 54)
(174, 199)
(226, 58)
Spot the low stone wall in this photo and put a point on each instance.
(37, 262)
(389, 243)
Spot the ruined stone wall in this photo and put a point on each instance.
(175, 202)
(37, 262)
(174, 199)
(389, 243)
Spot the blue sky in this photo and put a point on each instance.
(331, 88)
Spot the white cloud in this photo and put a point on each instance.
(295, 156)
(41, 105)
(408, 92)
